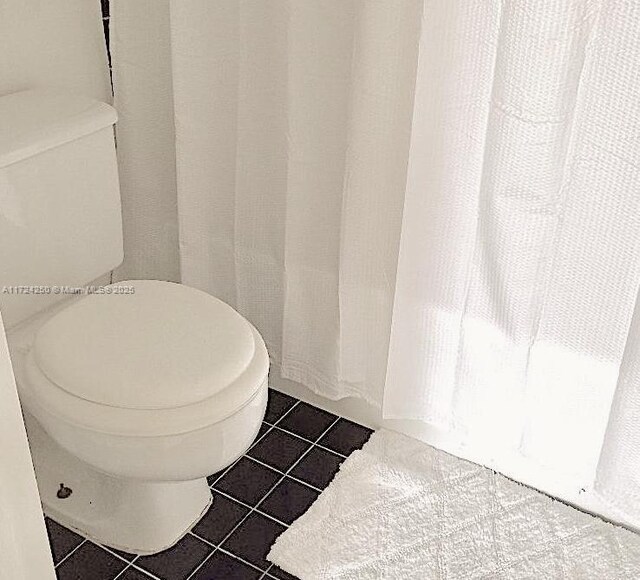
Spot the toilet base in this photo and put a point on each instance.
(135, 516)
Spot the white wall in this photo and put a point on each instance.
(53, 43)
(146, 139)
(23, 539)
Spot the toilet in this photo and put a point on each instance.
(133, 392)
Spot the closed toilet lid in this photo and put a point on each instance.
(163, 346)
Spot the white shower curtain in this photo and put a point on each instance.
(292, 125)
(430, 205)
(520, 255)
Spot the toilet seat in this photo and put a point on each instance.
(91, 364)
(145, 345)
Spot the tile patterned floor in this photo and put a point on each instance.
(297, 452)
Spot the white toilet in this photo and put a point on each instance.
(133, 394)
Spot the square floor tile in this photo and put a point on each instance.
(278, 405)
(248, 481)
(345, 437)
(90, 561)
(222, 517)
(177, 562)
(307, 421)
(134, 574)
(278, 573)
(222, 566)
(288, 501)
(254, 538)
(318, 467)
(279, 449)
(61, 539)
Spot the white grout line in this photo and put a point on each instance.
(228, 553)
(281, 417)
(232, 555)
(269, 467)
(313, 487)
(122, 572)
(145, 573)
(199, 566)
(112, 552)
(260, 438)
(283, 414)
(279, 428)
(217, 548)
(224, 471)
(248, 506)
(84, 541)
(231, 497)
(139, 569)
(131, 564)
(208, 542)
(210, 555)
(283, 473)
(331, 450)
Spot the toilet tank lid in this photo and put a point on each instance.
(35, 120)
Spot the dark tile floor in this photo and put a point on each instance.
(295, 456)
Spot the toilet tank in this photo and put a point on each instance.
(60, 213)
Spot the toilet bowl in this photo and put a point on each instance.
(133, 397)
(134, 392)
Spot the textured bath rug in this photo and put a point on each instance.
(399, 509)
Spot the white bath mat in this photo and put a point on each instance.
(400, 509)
